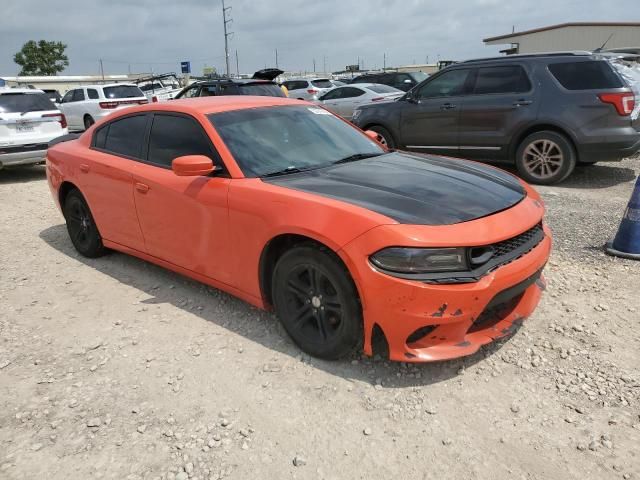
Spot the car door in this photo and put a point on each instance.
(331, 98)
(429, 120)
(350, 98)
(501, 101)
(107, 181)
(183, 219)
(70, 110)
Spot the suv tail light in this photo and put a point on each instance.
(154, 99)
(116, 103)
(61, 118)
(624, 102)
(312, 91)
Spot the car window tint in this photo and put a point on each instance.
(78, 95)
(333, 94)
(92, 93)
(100, 137)
(445, 85)
(262, 90)
(122, 91)
(68, 97)
(399, 80)
(351, 92)
(126, 136)
(380, 88)
(191, 92)
(588, 75)
(297, 85)
(507, 79)
(321, 83)
(212, 90)
(173, 136)
(25, 102)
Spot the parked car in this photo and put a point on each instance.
(343, 100)
(543, 112)
(159, 88)
(404, 81)
(85, 105)
(53, 95)
(261, 84)
(28, 121)
(286, 206)
(307, 88)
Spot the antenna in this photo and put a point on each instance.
(226, 35)
(604, 44)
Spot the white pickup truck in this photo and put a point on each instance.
(159, 88)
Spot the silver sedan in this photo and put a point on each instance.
(344, 100)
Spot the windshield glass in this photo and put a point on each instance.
(262, 89)
(419, 76)
(273, 139)
(122, 91)
(25, 102)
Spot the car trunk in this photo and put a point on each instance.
(24, 127)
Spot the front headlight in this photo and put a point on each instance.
(421, 260)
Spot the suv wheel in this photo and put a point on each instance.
(88, 121)
(317, 302)
(545, 158)
(385, 136)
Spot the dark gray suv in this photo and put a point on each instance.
(543, 112)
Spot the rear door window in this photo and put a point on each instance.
(399, 80)
(351, 92)
(25, 102)
(92, 93)
(507, 79)
(590, 75)
(68, 97)
(122, 91)
(174, 136)
(126, 136)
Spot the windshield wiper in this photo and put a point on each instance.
(286, 171)
(356, 157)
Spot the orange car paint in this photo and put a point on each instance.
(215, 229)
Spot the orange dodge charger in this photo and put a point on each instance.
(285, 205)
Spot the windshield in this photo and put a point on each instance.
(122, 91)
(419, 76)
(262, 89)
(273, 139)
(25, 102)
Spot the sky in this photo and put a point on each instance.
(156, 35)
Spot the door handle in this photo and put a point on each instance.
(142, 188)
(448, 106)
(84, 168)
(522, 103)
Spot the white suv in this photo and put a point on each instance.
(85, 105)
(307, 88)
(28, 121)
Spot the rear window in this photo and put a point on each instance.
(262, 90)
(585, 75)
(383, 89)
(366, 79)
(122, 91)
(25, 102)
(323, 83)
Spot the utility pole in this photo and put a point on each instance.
(276, 58)
(226, 35)
(324, 64)
(237, 65)
(101, 70)
(384, 62)
(314, 65)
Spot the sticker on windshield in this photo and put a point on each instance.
(319, 111)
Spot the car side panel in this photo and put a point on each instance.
(106, 183)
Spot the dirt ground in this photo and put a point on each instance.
(115, 368)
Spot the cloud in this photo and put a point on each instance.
(155, 35)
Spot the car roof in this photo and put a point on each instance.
(216, 81)
(4, 90)
(518, 56)
(217, 104)
(105, 85)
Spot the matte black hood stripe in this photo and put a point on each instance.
(413, 189)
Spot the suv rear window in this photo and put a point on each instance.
(323, 83)
(25, 102)
(122, 91)
(589, 75)
(262, 90)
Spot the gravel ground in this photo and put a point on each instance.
(115, 368)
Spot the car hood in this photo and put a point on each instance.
(413, 189)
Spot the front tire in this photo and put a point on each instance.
(545, 158)
(88, 121)
(81, 227)
(317, 302)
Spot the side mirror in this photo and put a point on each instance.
(193, 166)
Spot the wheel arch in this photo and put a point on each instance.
(368, 125)
(541, 127)
(63, 191)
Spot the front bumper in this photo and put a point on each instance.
(22, 158)
(425, 322)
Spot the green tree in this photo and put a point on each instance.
(41, 58)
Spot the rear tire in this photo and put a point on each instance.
(81, 227)
(545, 158)
(88, 121)
(386, 137)
(317, 302)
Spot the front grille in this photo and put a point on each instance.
(503, 252)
